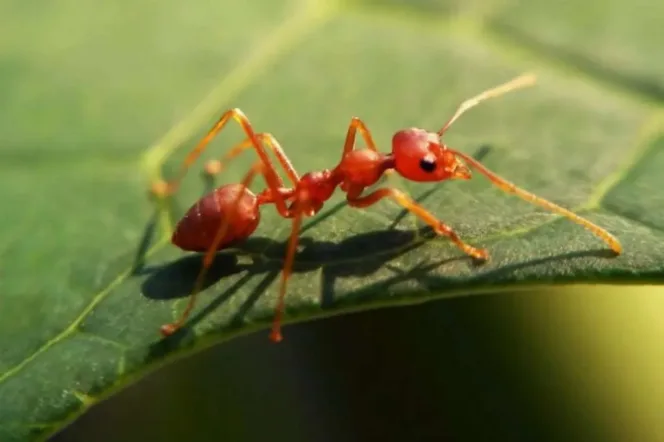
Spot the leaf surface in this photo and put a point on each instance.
(97, 102)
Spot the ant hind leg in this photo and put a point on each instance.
(162, 188)
(208, 258)
(214, 167)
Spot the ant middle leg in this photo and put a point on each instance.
(355, 200)
(227, 222)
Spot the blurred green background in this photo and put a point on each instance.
(90, 86)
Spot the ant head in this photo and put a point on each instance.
(420, 156)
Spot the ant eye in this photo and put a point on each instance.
(428, 164)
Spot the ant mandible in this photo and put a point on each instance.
(231, 213)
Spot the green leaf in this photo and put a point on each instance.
(98, 101)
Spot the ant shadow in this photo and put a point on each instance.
(264, 256)
(349, 258)
(333, 260)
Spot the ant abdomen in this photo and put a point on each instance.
(196, 231)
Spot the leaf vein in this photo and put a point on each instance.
(102, 339)
(633, 218)
(652, 128)
(74, 326)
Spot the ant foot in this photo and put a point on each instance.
(161, 189)
(275, 336)
(213, 167)
(168, 330)
(478, 254)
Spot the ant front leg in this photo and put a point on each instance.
(355, 200)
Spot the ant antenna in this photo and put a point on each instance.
(519, 82)
(512, 188)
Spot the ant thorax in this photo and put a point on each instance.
(362, 168)
(314, 188)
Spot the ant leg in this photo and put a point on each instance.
(214, 167)
(516, 83)
(275, 333)
(509, 187)
(162, 188)
(355, 200)
(208, 259)
(356, 125)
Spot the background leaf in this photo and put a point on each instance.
(96, 101)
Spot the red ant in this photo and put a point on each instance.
(230, 213)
